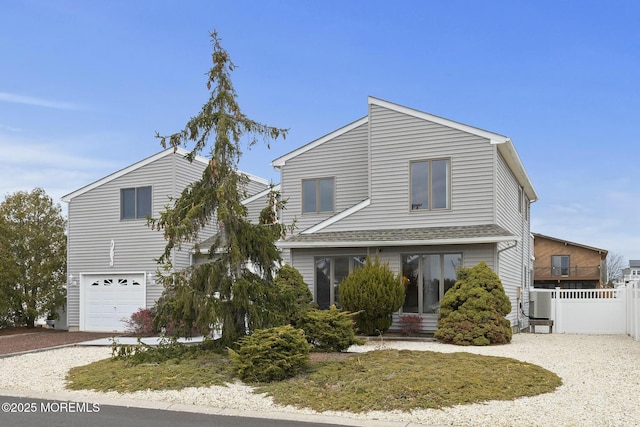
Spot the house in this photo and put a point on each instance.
(111, 251)
(631, 275)
(425, 193)
(568, 265)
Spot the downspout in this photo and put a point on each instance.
(498, 252)
(369, 156)
(173, 192)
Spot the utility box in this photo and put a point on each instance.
(539, 304)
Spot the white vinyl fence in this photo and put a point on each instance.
(596, 311)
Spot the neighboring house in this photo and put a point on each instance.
(111, 250)
(567, 265)
(631, 275)
(425, 193)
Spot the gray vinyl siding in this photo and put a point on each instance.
(344, 158)
(304, 261)
(254, 187)
(94, 220)
(396, 140)
(511, 261)
(255, 207)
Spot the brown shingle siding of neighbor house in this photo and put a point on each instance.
(565, 264)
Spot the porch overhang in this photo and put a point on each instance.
(432, 236)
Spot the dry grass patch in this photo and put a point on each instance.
(405, 380)
(382, 380)
(204, 369)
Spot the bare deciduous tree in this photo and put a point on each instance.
(614, 266)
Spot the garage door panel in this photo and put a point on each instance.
(110, 300)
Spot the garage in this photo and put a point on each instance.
(107, 301)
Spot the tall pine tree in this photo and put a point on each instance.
(222, 292)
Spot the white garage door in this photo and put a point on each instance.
(108, 301)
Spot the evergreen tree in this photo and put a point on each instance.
(33, 257)
(375, 292)
(293, 297)
(222, 292)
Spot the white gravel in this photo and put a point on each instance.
(600, 374)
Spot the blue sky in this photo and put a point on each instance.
(84, 86)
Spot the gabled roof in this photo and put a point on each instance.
(505, 145)
(280, 161)
(566, 242)
(180, 151)
(489, 233)
(634, 263)
(494, 137)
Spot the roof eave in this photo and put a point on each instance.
(336, 218)
(508, 151)
(437, 119)
(386, 243)
(112, 176)
(567, 242)
(280, 161)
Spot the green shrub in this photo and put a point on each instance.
(472, 311)
(375, 293)
(168, 348)
(329, 330)
(293, 295)
(272, 354)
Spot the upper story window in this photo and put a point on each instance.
(560, 265)
(523, 203)
(317, 195)
(135, 202)
(520, 199)
(430, 184)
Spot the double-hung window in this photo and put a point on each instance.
(135, 202)
(430, 184)
(317, 195)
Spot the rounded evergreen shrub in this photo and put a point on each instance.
(473, 311)
(375, 292)
(329, 330)
(272, 354)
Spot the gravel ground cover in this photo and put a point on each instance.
(600, 374)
